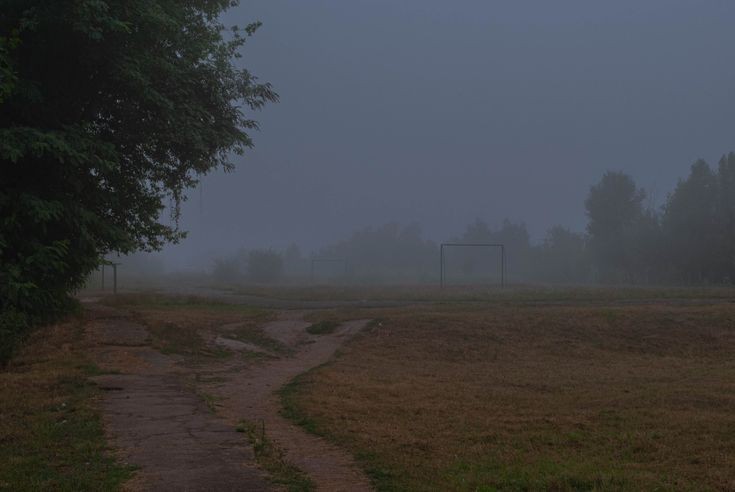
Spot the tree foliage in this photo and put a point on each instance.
(562, 257)
(391, 253)
(691, 239)
(515, 238)
(264, 265)
(109, 110)
(615, 208)
(698, 224)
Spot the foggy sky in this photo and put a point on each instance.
(439, 112)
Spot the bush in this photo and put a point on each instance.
(13, 327)
(39, 308)
(264, 265)
(226, 270)
(326, 327)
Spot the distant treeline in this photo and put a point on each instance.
(689, 240)
(394, 253)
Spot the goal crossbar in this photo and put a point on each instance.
(442, 266)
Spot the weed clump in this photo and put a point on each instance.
(325, 327)
(271, 458)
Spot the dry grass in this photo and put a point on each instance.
(51, 435)
(272, 459)
(185, 324)
(323, 327)
(518, 397)
(515, 293)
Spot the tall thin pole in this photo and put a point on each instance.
(103, 276)
(441, 266)
(114, 278)
(502, 267)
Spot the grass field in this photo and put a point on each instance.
(529, 389)
(179, 324)
(514, 396)
(494, 294)
(51, 435)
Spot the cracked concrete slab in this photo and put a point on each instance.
(159, 424)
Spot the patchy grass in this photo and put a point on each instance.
(494, 294)
(290, 404)
(152, 300)
(271, 458)
(254, 334)
(51, 435)
(324, 327)
(182, 339)
(213, 402)
(187, 325)
(525, 397)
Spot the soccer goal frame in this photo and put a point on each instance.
(315, 261)
(442, 263)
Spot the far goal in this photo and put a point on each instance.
(456, 259)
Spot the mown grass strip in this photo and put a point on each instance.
(51, 433)
(271, 458)
(153, 301)
(381, 476)
(510, 398)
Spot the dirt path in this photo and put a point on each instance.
(157, 423)
(251, 395)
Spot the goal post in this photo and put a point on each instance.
(493, 246)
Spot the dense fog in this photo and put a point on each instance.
(567, 131)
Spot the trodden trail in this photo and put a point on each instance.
(157, 421)
(252, 395)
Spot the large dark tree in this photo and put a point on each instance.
(691, 226)
(615, 210)
(726, 218)
(108, 110)
(389, 253)
(562, 257)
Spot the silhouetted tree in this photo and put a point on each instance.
(227, 270)
(108, 109)
(562, 257)
(389, 253)
(513, 236)
(646, 249)
(293, 262)
(726, 217)
(690, 225)
(264, 265)
(614, 209)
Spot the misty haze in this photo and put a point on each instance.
(289, 245)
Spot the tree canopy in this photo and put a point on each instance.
(691, 239)
(109, 110)
(615, 208)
